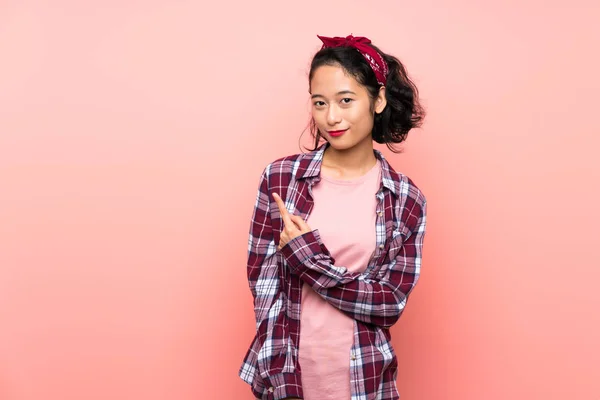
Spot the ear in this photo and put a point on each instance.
(380, 101)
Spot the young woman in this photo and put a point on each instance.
(336, 237)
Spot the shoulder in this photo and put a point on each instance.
(284, 165)
(408, 191)
(412, 191)
(285, 170)
(411, 204)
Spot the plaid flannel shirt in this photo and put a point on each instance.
(375, 298)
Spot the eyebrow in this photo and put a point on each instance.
(337, 94)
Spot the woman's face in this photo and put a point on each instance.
(342, 108)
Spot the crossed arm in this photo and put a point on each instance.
(378, 301)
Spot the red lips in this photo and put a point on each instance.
(337, 133)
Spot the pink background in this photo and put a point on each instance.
(132, 136)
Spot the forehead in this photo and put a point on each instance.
(328, 79)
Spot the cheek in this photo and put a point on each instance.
(360, 116)
(319, 117)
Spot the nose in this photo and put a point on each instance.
(334, 116)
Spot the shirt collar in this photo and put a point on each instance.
(310, 167)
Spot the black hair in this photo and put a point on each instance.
(402, 111)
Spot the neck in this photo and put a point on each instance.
(359, 158)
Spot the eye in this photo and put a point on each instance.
(347, 100)
(319, 103)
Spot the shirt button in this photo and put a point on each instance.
(353, 357)
(271, 389)
(381, 246)
(380, 213)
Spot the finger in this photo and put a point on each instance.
(302, 225)
(282, 210)
(280, 205)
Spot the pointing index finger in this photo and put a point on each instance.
(284, 213)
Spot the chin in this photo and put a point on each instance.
(341, 145)
(345, 142)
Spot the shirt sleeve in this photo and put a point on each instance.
(379, 301)
(262, 264)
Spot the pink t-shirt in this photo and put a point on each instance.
(344, 214)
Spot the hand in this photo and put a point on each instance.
(294, 225)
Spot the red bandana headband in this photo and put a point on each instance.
(375, 60)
